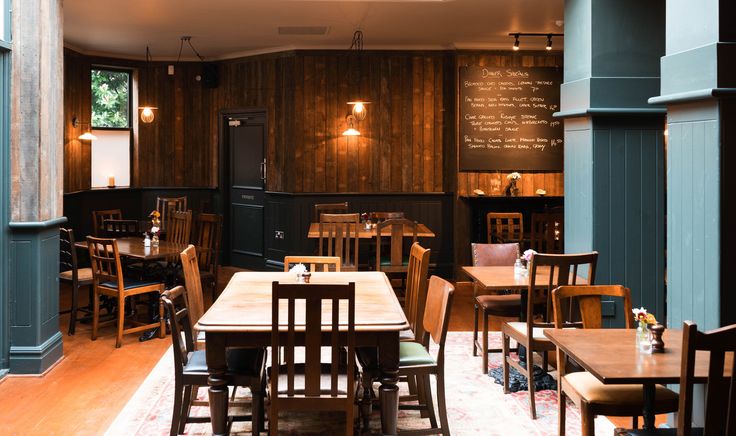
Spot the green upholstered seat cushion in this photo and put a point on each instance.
(386, 261)
(413, 353)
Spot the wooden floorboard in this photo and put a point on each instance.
(84, 393)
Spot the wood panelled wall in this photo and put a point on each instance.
(305, 94)
(493, 183)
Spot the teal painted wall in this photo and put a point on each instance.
(578, 185)
(693, 214)
(691, 24)
(628, 209)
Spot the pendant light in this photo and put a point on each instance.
(358, 106)
(147, 114)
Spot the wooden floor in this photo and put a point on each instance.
(84, 392)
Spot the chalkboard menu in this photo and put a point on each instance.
(506, 119)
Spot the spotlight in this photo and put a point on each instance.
(516, 42)
(549, 42)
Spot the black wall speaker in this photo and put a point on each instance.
(210, 75)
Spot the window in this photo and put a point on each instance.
(110, 98)
(111, 124)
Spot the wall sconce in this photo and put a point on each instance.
(359, 109)
(147, 114)
(351, 130)
(86, 133)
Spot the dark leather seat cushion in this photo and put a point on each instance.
(242, 361)
(657, 432)
(500, 305)
(129, 284)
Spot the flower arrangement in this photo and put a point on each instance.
(155, 226)
(643, 318)
(514, 176)
(643, 332)
(528, 255)
(298, 269)
(512, 189)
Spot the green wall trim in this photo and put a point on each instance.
(697, 95)
(37, 358)
(37, 225)
(609, 111)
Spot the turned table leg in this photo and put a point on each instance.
(389, 392)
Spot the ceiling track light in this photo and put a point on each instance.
(549, 36)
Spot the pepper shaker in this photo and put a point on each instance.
(657, 343)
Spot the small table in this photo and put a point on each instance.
(612, 357)
(241, 317)
(422, 231)
(132, 246)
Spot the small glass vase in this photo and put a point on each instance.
(154, 240)
(644, 338)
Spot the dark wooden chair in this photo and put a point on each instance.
(416, 362)
(165, 205)
(590, 395)
(300, 386)
(179, 226)
(206, 237)
(108, 280)
(194, 295)
(314, 263)
(331, 208)
(70, 273)
(563, 270)
(501, 305)
(381, 216)
(246, 367)
(338, 236)
(99, 217)
(547, 232)
(416, 291)
(393, 228)
(505, 227)
(114, 228)
(720, 400)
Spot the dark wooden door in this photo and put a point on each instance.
(246, 136)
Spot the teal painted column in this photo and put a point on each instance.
(36, 174)
(614, 145)
(698, 89)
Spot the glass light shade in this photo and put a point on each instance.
(351, 132)
(87, 136)
(147, 115)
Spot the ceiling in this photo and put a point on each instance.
(223, 29)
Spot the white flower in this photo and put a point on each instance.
(514, 176)
(154, 229)
(528, 254)
(640, 314)
(298, 269)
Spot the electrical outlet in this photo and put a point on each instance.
(171, 70)
(279, 234)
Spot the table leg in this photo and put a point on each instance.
(648, 412)
(218, 382)
(388, 356)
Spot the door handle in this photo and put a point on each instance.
(263, 170)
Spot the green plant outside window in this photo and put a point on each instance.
(110, 98)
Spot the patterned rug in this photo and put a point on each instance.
(476, 405)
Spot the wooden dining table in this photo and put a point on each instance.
(612, 356)
(422, 231)
(241, 317)
(132, 246)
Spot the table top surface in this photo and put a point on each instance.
(133, 247)
(503, 277)
(612, 357)
(422, 231)
(245, 304)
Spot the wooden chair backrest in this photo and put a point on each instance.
(99, 217)
(416, 288)
(114, 228)
(338, 236)
(165, 205)
(437, 312)
(310, 321)
(563, 270)
(397, 226)
(720, 397)
(495, 254)
(589, 302)
(67, 252)
(178, 322)
(206, 236)
(505, 227)
(194, 296)
(179, 226)
(332, 208)
(104, 259)
(314, 263)
(380, 216)
(547, 232)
